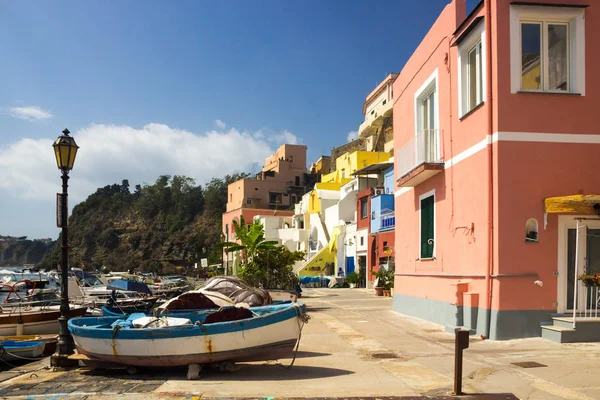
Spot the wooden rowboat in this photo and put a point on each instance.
(35, 320)
(264, 333)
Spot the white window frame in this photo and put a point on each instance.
(435, 237)
(430, 85)
(544, 15)
(473, 39)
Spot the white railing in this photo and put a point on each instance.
(589, 309)
(425, 147)
(586, 293)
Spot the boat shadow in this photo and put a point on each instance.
(246, 372)
(308, 354)
(273, 372)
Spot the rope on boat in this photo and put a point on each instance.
(21, 357)
(303, 319)
(4, 352)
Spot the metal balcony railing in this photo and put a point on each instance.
(425, 147)
(388, 221)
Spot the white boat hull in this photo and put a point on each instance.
(267, 342)
(31, 328)
(15, 354)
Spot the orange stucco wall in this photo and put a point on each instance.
(529, 173)
(523, 172)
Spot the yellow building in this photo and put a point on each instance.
(348, 163)
(314, 197)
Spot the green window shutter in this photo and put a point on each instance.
(427, 219)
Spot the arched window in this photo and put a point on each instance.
(531, 230)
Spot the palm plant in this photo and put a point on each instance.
(251, 240)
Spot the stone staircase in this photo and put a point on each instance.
(561, 330)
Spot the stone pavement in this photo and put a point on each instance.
(353, 347)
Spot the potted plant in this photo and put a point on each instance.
(589, 280)
(390, 281)
(352, 279)
(380, 282)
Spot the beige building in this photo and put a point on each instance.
(377, 129)
(279, 185)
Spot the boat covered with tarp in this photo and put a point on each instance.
(208, 336)
(237, 290)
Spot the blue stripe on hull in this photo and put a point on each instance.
(100, 327)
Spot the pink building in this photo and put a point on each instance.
(494, 113)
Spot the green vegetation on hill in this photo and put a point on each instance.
(173, 222)
(16, 251)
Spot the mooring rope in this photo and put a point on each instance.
(303, 318)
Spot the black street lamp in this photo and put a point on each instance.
(65, 150)
(222, 258)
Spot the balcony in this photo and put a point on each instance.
(421, 158)
(382, 213)
(388, 221)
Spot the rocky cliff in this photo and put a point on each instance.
(18, 251)
(173, 222)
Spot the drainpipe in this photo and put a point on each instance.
(490, 246)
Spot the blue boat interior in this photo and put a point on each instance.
(125, 322)
(12, 344)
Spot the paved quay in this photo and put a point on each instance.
(354, 346)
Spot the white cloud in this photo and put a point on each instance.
(110, 153)
(220, 124)
(285, 137)
(29, 113)
(352, 135)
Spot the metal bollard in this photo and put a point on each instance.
(461, 342)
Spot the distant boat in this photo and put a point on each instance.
(86, 288)
(262, 333)
(35, 320)
(11, 350)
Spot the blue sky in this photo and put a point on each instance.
(246, 74)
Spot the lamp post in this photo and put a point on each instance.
(222, 252)
(65, 150)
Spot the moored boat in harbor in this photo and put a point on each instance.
(33, 320)
(208, 336)
(11, 350)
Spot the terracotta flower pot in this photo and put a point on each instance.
(386, 293)
(378, 291)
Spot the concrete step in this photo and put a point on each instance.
(586, 330)
(567, 321)
(558, 334)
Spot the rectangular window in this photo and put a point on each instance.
(471, 70)
(275, 198)
(362, 241)
(427, 145)
(297, 181)
(427, 226)
(428, 111)
(249, 201)
(545, 56)
(363, 209)
(474, 77)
